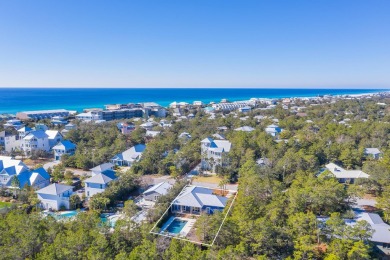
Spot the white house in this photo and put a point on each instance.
(156, 191)
(23, 131)
(67, 128)
(128, 157)
(194, 200)
(375, 153)
(345, 175)
(63, 147)
(214, 153)
(10, 168)
(150, 133)
(54, 137)
(15, 123)
(273, 130)
(98, 182)
(55, 196)
(245, 129)
(35, 140)
(38, 178)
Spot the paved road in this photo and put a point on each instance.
(50, 164)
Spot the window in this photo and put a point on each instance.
(101, 186)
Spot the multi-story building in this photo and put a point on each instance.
(42, 114)
(214, 153)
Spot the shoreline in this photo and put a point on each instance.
(165, 102)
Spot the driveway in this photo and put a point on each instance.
(50, 164)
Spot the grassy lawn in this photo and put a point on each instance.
(208, 178)
(5, 204)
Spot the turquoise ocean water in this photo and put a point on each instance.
(13, 100)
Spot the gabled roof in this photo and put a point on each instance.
(65, 145)
(102, 178)
(12, 166)
(245, 129)
(37, 134)
(341, 173)
(55, 189)
(32, 177)
(381, 229)
(52, 133)
(372, 151)
(195, 196)
(102, 167)
(161, 188)
(25, 129)
(131, 154)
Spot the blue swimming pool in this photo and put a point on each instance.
(64, 215)
(176, 226)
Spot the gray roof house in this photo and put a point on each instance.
(245, 129)
(128, 157)
(345, 175)
(102, 168)
(375, 153)
(195, 199)
(154, 192)
(55, 196)
(98, 182)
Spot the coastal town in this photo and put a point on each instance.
(312, 172)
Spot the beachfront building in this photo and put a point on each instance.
(195, 200)
(55, 196)
(373, 153)
(156, 191)
(42, 114)
(128, 157)
(214, 153)
(345, 176)
(98, 182)
(63, 147)
(273, 130)
(93, 115)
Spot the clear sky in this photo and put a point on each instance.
(199, 43)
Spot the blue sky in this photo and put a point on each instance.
(202, 43)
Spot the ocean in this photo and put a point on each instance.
(13, 100)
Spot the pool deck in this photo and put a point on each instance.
(184, 231)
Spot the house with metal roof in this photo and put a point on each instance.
(156, 191)
(35, 140)
(345, 175)
(38, 178)
(63, 147)
(25, 130)
(54, 137)
(128, 157)
(55, 196)
(102, 168)
(245, 129)
(273, 130)
(214, 153)
(10, 168)
(195, 199)
(374, 153)
(98, 182)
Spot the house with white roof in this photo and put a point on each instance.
(54, 137)
(67, 128)
(63, 147)
(23, 131)
(150, 133)
(128, 157)
(15, 123)
(185, 136)
(156, 191)
(195, 200)
(214, 153)
(148, 125)
(245, 129)
(35, 140)
(381, 235)
(345, 175)
(10, 168)
(98, 182)
(374, 153)
(273, 130)
(55, 196)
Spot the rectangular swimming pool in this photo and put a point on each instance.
(176, 226)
